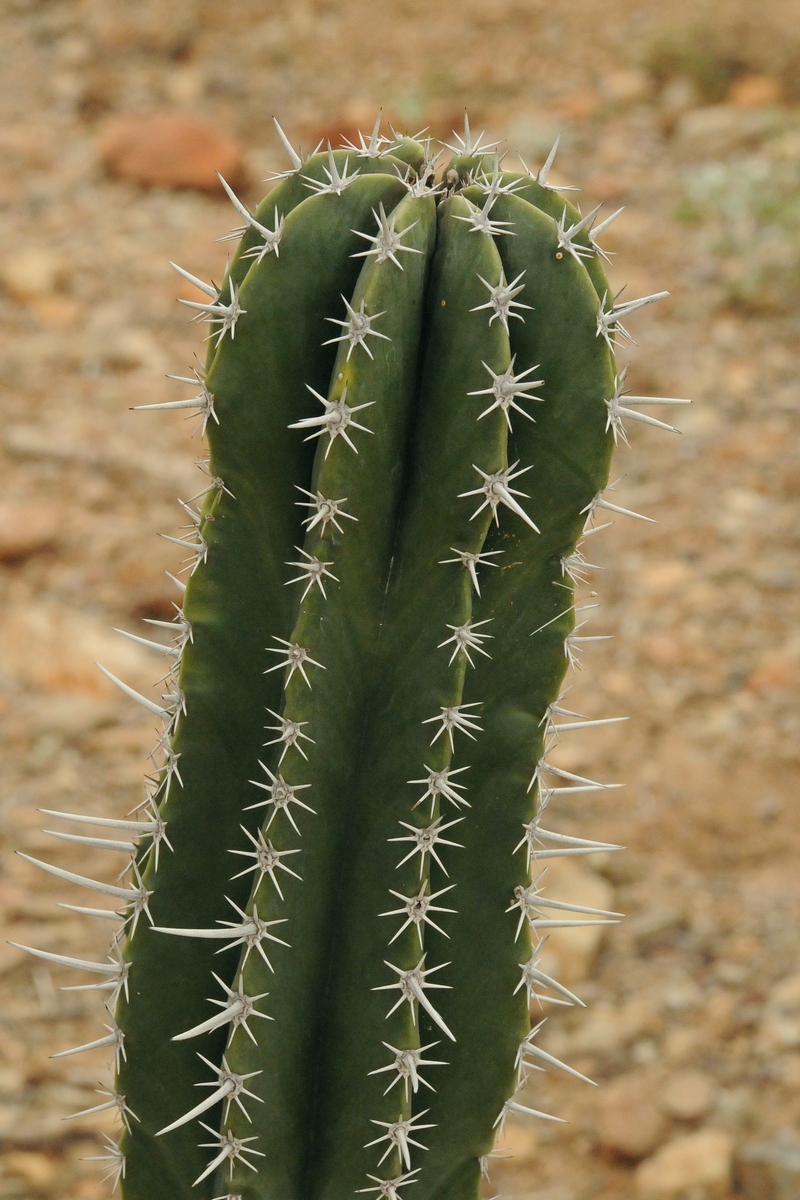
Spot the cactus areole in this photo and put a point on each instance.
(328, 937)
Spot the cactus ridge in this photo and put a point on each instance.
(328, 941)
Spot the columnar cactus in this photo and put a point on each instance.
(329, 935)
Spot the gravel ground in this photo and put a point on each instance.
(693, 1017)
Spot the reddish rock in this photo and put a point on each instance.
(26, 529)
(170, 150)
(755, 91)
(630, 1126)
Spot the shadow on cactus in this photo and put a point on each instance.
(329, 934)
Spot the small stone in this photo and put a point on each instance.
(68, 716)
(606, 188)
(683, 1044)
(51, 648)
(27, 529)
(557, 1192)
(663, 650)
(769, 1171)
(57, 310)
(125, 350)
(599, 1034)
(732, 974)
(681, 996)
(626, 86)
(697, 1165)
(578, 106)
(533, 133)
(663, 578)
(774, 675)
(657, 929)
(630, 1126)
(734, 1106)
(720, 1014)
(755, 91)
(520, 1142)
(605, 1028)
(721, 129)
(780, 1027)
(571, 952)
(678, 96)
(31, 273)
(170, 150)
(38, 1170)
(687, 1095)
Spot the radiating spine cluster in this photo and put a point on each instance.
(364, 686)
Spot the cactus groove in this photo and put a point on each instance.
(329, 935)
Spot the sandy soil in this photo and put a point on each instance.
(703, 606)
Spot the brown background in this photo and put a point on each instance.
(688, 118)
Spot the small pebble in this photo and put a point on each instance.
(687, 1095)
(630, 1126)
(27, 529)
(697, 1165)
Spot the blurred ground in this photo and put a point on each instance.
(693, 1021)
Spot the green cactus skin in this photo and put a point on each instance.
(330, 941)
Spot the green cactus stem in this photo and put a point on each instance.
(329, 934)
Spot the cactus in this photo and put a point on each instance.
(330, 929)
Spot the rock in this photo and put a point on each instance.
(124, 349)
(533, 133)
(27, 529)
(734, 1106)
(681, 996)
(31, 273)
(720, 1015)
(557, 1192)
(768, 1171)
(630, 1126)
(597, 1033)
(780, 1027)
(69, 715)
(687, 1095)
(677, 96)
(664, 578)
(170, 150)
(683, 1044)
(626, 86)
(571, 953)
(775, 674)
(663, 650)
(53, 649)
(605, 1028)
(755, 91)
(697, 1166)
(38, 1170)
(656, 929)
(578, 106)
(720, 129)
(520, 1142)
